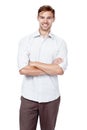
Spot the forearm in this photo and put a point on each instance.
(51, 69)
(31, 71)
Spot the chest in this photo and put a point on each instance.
(43, 50)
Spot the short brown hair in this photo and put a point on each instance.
(46, 8)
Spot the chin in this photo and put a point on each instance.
(45, 29)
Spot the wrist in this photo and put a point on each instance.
(34, 64)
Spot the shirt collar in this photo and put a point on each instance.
(37, 34)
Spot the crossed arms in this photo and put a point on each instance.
(39, 68)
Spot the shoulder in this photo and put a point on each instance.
(25, 40)
(59, 41)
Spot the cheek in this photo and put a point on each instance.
(41, 21)
(50, 22)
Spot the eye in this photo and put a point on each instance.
(41, 17)
(49, 17)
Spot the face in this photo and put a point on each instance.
(45, 20)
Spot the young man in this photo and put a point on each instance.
(41, 58)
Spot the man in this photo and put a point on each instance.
(41, 58)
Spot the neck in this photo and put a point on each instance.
(44, 33)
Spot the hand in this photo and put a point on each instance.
(58, 61)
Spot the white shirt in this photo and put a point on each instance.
(43, 88)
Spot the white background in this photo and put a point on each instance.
(18, 19)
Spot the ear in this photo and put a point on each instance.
(53, 19)
(37, 17)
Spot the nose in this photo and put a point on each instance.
(45, 20)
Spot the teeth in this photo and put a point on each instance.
(44, 24)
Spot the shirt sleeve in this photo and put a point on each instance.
(23, 54)
(62, 53)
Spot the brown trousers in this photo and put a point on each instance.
(30, 110)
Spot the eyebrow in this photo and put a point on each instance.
(44, 16)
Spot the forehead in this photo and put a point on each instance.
(46, 13)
